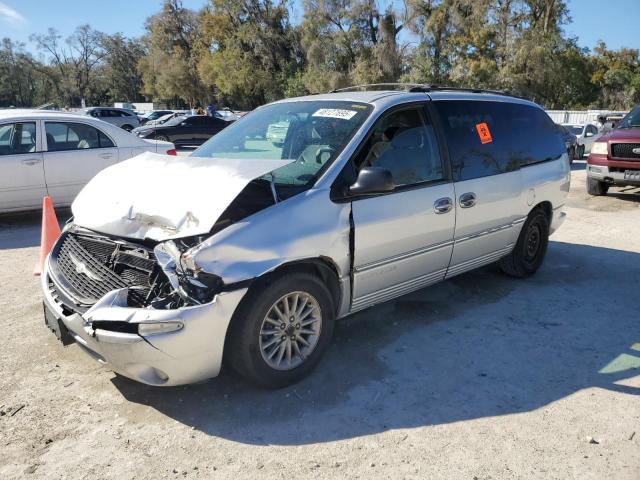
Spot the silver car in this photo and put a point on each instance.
(120, 117)
(247, 252)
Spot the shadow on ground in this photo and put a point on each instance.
(578, 165)
(22, 230)
(476, 346)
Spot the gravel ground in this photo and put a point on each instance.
(479, 377)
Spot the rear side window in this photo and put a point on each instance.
(63, 136)
(490, 138)
(17, 138)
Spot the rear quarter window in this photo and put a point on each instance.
(489, 138)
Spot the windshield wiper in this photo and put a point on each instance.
(274, 190)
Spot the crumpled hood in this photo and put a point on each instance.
(162, 196)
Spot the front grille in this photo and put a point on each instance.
(625, 150)
(89, 267)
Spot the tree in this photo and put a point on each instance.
(169, 68)
(251, 51)
(431, 21)
(350, 42)
(72, 65)
(21, 85)
(122, 78)
(617, 76)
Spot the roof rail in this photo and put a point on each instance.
(378, 86)
(421, 88)
(434, 88)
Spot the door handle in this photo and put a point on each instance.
(31, 161)
(443, 205)
(467, 200)
(106, 155)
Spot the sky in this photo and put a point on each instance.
(614, 21)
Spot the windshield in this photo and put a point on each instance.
(575, 129)
(631, 119)
(312, 134)
(175, 121)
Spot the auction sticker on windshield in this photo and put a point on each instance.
(335, 113)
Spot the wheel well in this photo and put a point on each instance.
(546, 208)
(321, 267)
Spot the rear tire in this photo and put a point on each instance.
(128, 128)
(581, 152)
(596, 187)
(530, 249)
(258, 336)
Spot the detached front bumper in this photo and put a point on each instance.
(188, 355)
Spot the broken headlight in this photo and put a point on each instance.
(191, 284)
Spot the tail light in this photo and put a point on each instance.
(171, 152)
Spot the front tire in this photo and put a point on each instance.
(530, 249)
(128, 128)
(162, 138)
(281, 329)
(596, 187)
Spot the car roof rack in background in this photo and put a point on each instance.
(421, 88)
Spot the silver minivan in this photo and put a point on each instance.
(246, 253)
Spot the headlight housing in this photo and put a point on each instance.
(599, 148)
(192, 284)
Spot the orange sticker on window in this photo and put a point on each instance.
(484, 133)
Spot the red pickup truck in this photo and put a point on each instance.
(615, 157)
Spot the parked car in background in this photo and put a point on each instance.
(56, 154)
(120, 117)
(166, 118)
(586, 134)
(615, 157)
(277, 132)
(570, 142)
(153, 115)
(246, 252)
(184, 130)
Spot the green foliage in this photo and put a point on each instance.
(170, 67)
(21, 84)
(250, 50)
(349, 42)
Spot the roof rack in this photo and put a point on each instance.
(421, 88)
(378, 86)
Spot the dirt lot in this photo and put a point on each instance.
(480, 377)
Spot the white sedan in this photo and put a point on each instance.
(586, 135)
(56, 154)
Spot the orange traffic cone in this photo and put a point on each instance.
(50, 232)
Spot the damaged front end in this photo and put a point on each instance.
(134, 307)
(86, 266)
(122, 280)
(185, 286)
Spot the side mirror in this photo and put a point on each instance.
(372, 180)
(588, 134)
